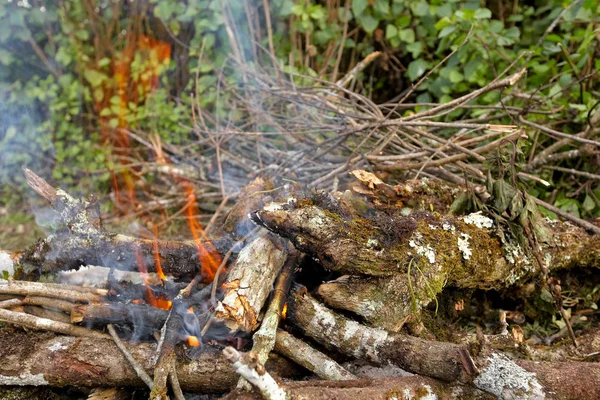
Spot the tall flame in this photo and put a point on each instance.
(158, 302)
(209, 259)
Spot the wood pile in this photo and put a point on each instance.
(323, 278)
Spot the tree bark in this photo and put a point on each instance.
(40, 359)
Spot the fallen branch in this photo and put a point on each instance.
(60, 361)
(490, 371)
(311, 359)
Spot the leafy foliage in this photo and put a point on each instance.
(67, 98)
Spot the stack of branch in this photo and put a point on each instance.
(393, 263)
(315, 132)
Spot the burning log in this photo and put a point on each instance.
(489, 371)
(81, 240)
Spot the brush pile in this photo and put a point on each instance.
(322, 270)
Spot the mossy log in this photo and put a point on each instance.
(404, 260)
(489, 371)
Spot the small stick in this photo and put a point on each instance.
(310, 358)
(23, 288)
(139, 370)
(578, 221)
(10, 303)
(264, 338)
(255, 373)
(30, 321)
(174, 380)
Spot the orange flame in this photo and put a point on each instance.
(209, 259)
(159, 270)
(284, 311)
(193, 341)
(158, 302)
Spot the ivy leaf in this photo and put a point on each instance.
(382, 7)
(390, 31)
(369, 23)
(483, 13)
(358, 6)
(455, 76)
(416, 69)
(407, 35)
(94, 77)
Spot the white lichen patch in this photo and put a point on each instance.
(58, 346)
(422, 250)
(463, 246)
(273, 207)
(432, 227)
(448, 227)
(479, 220)
(373, 244)
(6, 264)
(507, 380)
(547, 260)
(424, 392)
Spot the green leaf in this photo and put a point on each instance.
(382, 7)
(420, 9)
(403, 21)
(358, 7)
(546, 296)
(344, 15)
(483, 13)
(455, 76)
(407, 35)
(415, 49)
(104, 62)
(82, 34)
(446, 31)
(416, 69)
(94, 77)
(588, 204)
(390, 31)
(369, 23)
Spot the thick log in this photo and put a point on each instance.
(80, 240)
(387, 302)
(249, 282)
(43, 359)
(410, 258)
(491, 371)
(350, 235)
(406, 387)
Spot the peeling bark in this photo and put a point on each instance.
(250, 281)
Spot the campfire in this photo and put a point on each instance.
(195, 323)
(320, 269)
